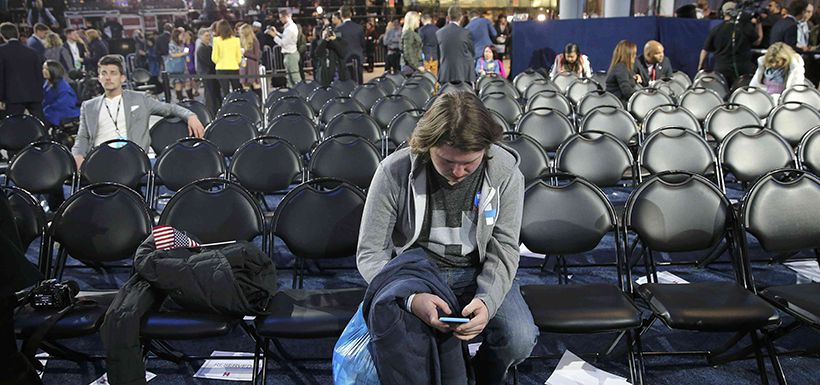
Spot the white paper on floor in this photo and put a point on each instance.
(807, 271)
(104, 379)
(230, 370)
(572, 370)
(43, 360)
(525, 252)
(663, 277)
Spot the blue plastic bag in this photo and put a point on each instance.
(352, 363)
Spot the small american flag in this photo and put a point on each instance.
(169, 238)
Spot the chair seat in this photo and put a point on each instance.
(801, 300)
(85, 319)
(708, 306)
(301, 313)
(181, 325)
(580, 308)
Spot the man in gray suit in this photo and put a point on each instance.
(455, 46)
(122, 114)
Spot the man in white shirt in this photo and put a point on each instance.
(803, 28)
(76, 48)
(122, 114)
(287, 40)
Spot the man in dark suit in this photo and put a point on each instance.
(163, 41)
(37, 40)
(21, 75)
(429, 43)
(653, 65)
(785, 30)
(353, 35)
(482, 32)
(455, 47)
(205, 66)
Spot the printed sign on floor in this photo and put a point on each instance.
(663, 277)
(230, 370)
(104, 379)
(572, 370)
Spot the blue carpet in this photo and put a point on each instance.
(313, 367)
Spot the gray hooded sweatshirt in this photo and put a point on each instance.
(395, 207)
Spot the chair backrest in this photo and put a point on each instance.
(401, 127)
(725, 118)
(41, 167)
(505, 105)
(547, 127)
(539, 85)
(29, 216)
(565, 218)
(677, 149)
(388, 107)
(562, 80)
(615, 121)
(682, 78)
(290, 104)
(344, 87)
(801, 93)
(266, 164)
(670, 116)
(501, 121)
(595, 155)
(282, 92)
(167, 131)
(749, 152)
(320, 96)
(355, 122)
(550, 99)
(215, 210)
(484, 79)
(297, 129)
(808, 152)
(455, 86)
(781, 211)
(644, 100)
(533, 160)
(792, 120)
(347, 157)
(119, 161)
(367, 94)
(580, 88)
(18, 131)
(425, 82)
(670, 87)
(333, 216)
(306, 87)
(101, 223)
(247, 95)
(700, 101)
(714, 82)
(387, 86)
(337, 106)
(415, 91)
(675, 212)
(243, 107)
(431, 77)
(229, 132)
(497, 84)
(755, 99)
(525, 79)
(188, 160)
(595, 99)
(199, 109)
(396, 77)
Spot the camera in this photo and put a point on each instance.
(51, 294)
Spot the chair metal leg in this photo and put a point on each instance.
(778, 370)
(265, 361)
(256, 356)
(761, 366)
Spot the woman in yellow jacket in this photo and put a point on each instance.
(226, 55)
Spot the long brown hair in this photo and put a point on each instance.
(624, 53)
(223, 29)
(456, 119)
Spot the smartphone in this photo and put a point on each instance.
(186, 50)
(454, 320)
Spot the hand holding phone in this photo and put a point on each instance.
(454, 320)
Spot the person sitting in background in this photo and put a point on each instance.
(621, 79)
(37, 41)
(96, 48)
(59, 99)
(778, 69)
(653, 65)
(489, 64)
(571, 61)
(55, 50)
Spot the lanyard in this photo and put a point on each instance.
(114, 117)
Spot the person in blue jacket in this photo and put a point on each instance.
(59, 99)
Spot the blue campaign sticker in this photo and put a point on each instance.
(489, 214)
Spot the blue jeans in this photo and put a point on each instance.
(509, 336)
